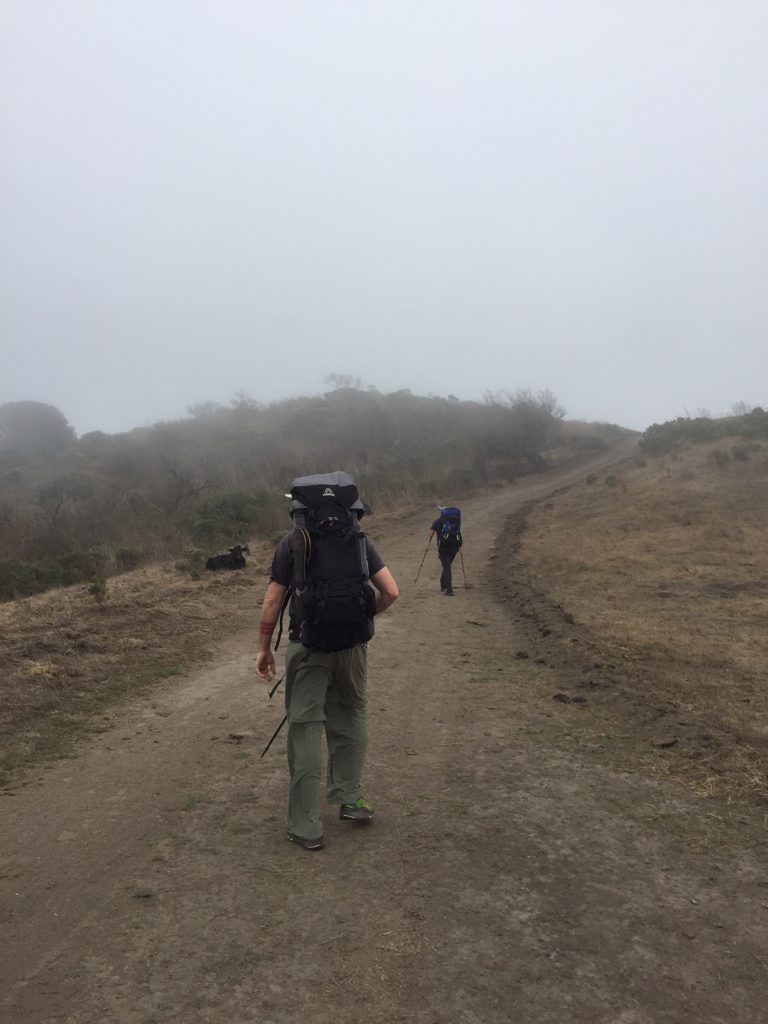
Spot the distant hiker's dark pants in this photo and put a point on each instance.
(324, 692)
(446, 558)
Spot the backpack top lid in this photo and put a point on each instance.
(324, 492)
(450, 513)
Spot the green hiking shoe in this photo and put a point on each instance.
(360, 810)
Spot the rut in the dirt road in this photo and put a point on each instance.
(149, 880)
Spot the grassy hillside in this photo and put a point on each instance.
(663, 566)
(66, 658)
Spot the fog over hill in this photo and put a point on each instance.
(203, 199)
(72, 508)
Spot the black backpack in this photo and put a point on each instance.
(331, 598)
(449, 532)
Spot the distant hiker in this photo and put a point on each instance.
(447, 529)
(326, 567)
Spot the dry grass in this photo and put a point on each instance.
(65, 656)
(667, 564)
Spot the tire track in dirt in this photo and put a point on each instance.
(149, 879)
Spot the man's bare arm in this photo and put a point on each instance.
(387, 591)
(270, 613)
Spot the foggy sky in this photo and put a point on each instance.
(201, 198)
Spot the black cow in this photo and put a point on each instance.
(232, 560)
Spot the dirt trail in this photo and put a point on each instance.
(148, 880)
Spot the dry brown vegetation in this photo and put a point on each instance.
(66, 656)
(663, 566)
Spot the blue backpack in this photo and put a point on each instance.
(449, 533)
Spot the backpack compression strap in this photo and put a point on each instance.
(362, 555)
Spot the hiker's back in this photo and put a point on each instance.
(449, 531)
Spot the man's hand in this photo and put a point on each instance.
(265, 665)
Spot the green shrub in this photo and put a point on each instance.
(234, 517)
(18, 579)
(80, 566)
(611, 480)
(192, 562)
(98, 590)
(703, 429)
(128, 558)
(754, 424)
(663, 438)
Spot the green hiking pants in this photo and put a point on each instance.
(325, 691)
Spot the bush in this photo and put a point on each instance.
(80, 566)
(98, 590)
(662, 438)
(234, 517)
(192, 562)
(128, 558)
(18, 579)
(703, 429)
(754, 423)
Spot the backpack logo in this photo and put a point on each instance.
(328, 493)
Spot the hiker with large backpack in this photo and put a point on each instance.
(335, 583)
(447, 529)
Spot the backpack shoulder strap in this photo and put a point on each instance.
(283, 606)
(362, 554)
(300, 551)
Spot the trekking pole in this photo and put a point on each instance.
(463, 573)
(282, 677)
(425, 555)
(277, 730)
(274, 737)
